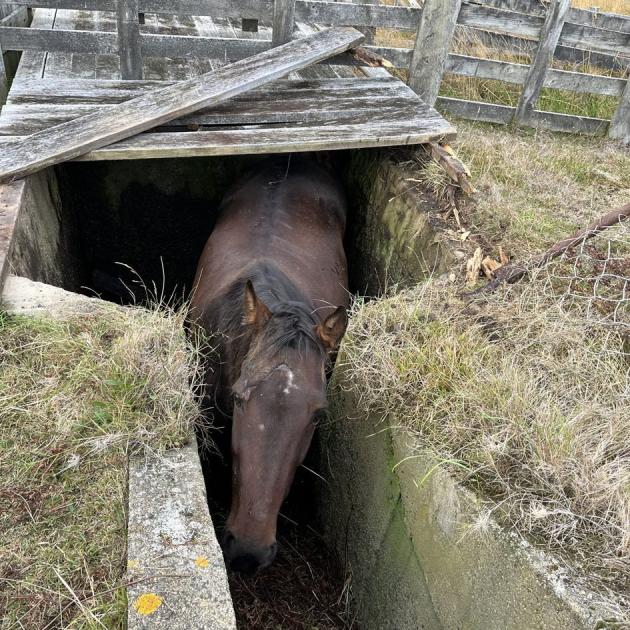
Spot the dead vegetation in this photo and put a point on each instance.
(76, 397)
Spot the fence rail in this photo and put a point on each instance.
(524, 26)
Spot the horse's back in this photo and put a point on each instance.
(291, 216)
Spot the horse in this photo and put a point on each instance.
(271, 289)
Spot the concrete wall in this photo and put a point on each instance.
(45, 243)
(391, 237)
(422, 549)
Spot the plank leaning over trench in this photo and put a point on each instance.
(74, 138)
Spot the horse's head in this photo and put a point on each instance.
(279, 398)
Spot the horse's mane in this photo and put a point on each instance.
(291, 327)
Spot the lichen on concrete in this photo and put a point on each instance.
(176, 574)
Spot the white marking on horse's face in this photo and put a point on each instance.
(261, 427)
(289, 386)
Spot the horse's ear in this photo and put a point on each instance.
(254, 310)
(332, 329)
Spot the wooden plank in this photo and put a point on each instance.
(474, 110)
(309, 11)
(586, 17)
(256, 140)
(60, 91)
(11, 199)
(549, 37)
(433, 40)
(283, 21)
(13, 38)
(74, 138)
(129, 39)
(520, 46)
(522, 25)
(4, 79)
(516, 73)
(620, 124)
(502, 114)
(17, 122)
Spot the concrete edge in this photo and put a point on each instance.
(176, 574)
(474, 566)
(22, 296)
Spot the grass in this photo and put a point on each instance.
(77, 396)
(527, 391)
(537, 187)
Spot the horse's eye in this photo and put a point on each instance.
(237, 400)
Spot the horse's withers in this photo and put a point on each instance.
(271, 288)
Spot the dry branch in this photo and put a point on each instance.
(454, 167)
(512, 272)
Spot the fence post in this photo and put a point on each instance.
(4, 79)
(129, 39)
(433, 40)
(547, 42)
(283, 21)
(620, 124)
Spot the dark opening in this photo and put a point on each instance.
(140, 228)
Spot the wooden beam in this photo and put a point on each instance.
(620, 125)
(549, 37)
(503, 114)
(129, 39)
(481, 68)
(74, 138)
(4, 79)
(283, 21)
(433, 41)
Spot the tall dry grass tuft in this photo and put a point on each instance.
(527, 390)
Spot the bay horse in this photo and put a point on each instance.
(272, 291)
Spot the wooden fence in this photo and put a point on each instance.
(547, 30)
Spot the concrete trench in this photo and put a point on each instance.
(414, 559)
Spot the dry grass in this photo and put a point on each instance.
(605, 6)
(76, 397)
(537, 187)
(527, 392)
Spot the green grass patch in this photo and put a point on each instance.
(77, 396)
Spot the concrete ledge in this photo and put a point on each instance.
(176, 572)
(22, 296)
(424, 551)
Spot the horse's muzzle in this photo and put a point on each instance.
(246, 557)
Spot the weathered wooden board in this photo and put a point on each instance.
(433, 42)
(96, 130)
(129, 39)
(522, 25)
(610, 21)
(549, 37)
(283, 21)
(620, 124)
(257, 139)
(503, 114)
(477, 67)
(310, 11)
(11, 196)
